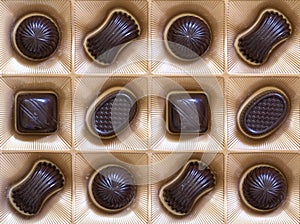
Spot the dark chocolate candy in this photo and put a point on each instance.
(111, 112)
(263, 188)
(180, 194)
(112, 188)
(105, 43)
(263, 112)
(36, 112)
(29, 194)
(187, 37)
(36, 36)
(187, 112)
(256, 43)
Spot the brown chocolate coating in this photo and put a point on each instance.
(36, 113)
(271, 29)
(188, 113)
(264, 188)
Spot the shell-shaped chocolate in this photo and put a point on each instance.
(29, 194)
(105, 43)
(263, 188)
(111, 112)
(187, 37)
(36, 37)
(180, 194)
(256, 43)
(263, 112)
(112, 188)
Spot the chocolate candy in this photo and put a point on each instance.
(256, 43)
(187, 37)
(29, 194)
(111, 112)
(36, 36)
(36, 112)
(112, 188)
(180, 194)
(263, 112)
(105, 43)
(263, 188)
(187, 112)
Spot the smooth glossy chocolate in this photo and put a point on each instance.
(111, 112)
(105, 43)
(256, 43)
(112, 188)
(263, 188)
(263, 112)
(36, 112)
(29, 194)
(180, 194)
(187, 37)
(187, 112)
(36, 37)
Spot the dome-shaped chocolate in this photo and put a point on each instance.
(36, 37)
(187, 37)
(263, 188)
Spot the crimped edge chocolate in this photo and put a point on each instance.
(167, 110)
(236, 43)
(95, 104)
(166, 30)
(16, 26)
(183, 169)
(92, 33)
(242, 182)
(25, 178)
(254, 96)
(34, 92)
(90, 191)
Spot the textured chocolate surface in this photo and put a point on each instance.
(37, 37)
(114, 113)
(257, 43)
(188, 37)
(264, 113)
(113, 188)
(196, 180)
(264, 188)
(29, 194)
(188, 113)
(36, 113)
(105, 44)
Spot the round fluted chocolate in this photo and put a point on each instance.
(113, 188)
(188, 37)
(36, 37)
(264, 188)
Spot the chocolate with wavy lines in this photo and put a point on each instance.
(28, 195)
(263, 188)
(104, 44)
(36, 36)
(187, 36)
(256, 43)
(180, 194)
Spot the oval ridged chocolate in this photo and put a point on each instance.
(112, 188)
(270, 29)
(264, 188)
(30, 193)
(180, 194)
(36, 37)
(112, 112)
(104, 44)
(263, 112)
(187, 37)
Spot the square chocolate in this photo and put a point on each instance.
(187, 112)
(36, 112)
